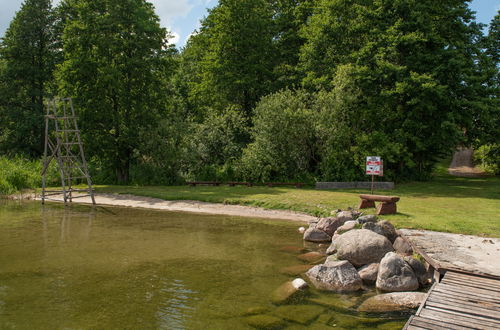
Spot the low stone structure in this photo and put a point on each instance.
(381, 256)
(355, 185)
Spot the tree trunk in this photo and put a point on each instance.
(123, 170)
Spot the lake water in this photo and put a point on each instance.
(100, 268)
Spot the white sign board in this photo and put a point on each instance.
(374, 166)
(373, 160)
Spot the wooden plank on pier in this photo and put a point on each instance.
(460, 301)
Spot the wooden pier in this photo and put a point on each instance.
(460, 301)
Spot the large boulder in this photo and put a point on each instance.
(392, 302)
(423, 276)
(368, 273)
(330, 225)
(394, 274)
(338, 276)
(316, 235)
(361, 247)
(384, 228)
(402, 247)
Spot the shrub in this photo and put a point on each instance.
(18, 173)
(488, 158)
(214, 146)
(284, 139)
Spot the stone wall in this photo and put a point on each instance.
(354, 185)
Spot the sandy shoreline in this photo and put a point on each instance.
(190, 206)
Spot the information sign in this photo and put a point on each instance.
(374, 166)
(373, 160)
(373, 169)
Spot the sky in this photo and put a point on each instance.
(182, 17)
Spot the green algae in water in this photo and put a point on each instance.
(80, 267)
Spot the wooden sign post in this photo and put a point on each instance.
(374, 166)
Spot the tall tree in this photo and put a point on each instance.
(115, 65)
(487, 120)
(409, 63)
(28, 55)
(236, 68)
(289, 17)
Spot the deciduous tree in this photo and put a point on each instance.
(115, 65)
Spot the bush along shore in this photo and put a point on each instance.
(362, 256)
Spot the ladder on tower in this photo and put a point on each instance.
(63, 145)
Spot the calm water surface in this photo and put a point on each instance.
(100, 268)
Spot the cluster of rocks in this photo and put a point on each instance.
(364, 251)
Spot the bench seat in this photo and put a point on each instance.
(206, 183)
(387, 203)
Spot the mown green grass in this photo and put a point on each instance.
(450, 204)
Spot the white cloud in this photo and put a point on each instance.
(175, 37)
(168, 10)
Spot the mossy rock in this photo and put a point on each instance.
(349, 321)
(287, 293)
(302, 314)
(256, 310)
(323, 319)
(337, 302)
(265, 322)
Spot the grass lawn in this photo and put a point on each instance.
(450, 204)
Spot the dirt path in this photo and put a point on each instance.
(462, 164)
(191, 206)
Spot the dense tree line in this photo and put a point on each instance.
(264, 90)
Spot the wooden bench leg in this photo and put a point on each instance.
(386, 208)
(365, 204)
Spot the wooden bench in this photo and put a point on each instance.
(296, 184)
(387, 205)
(232, 184)
(206, 183)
